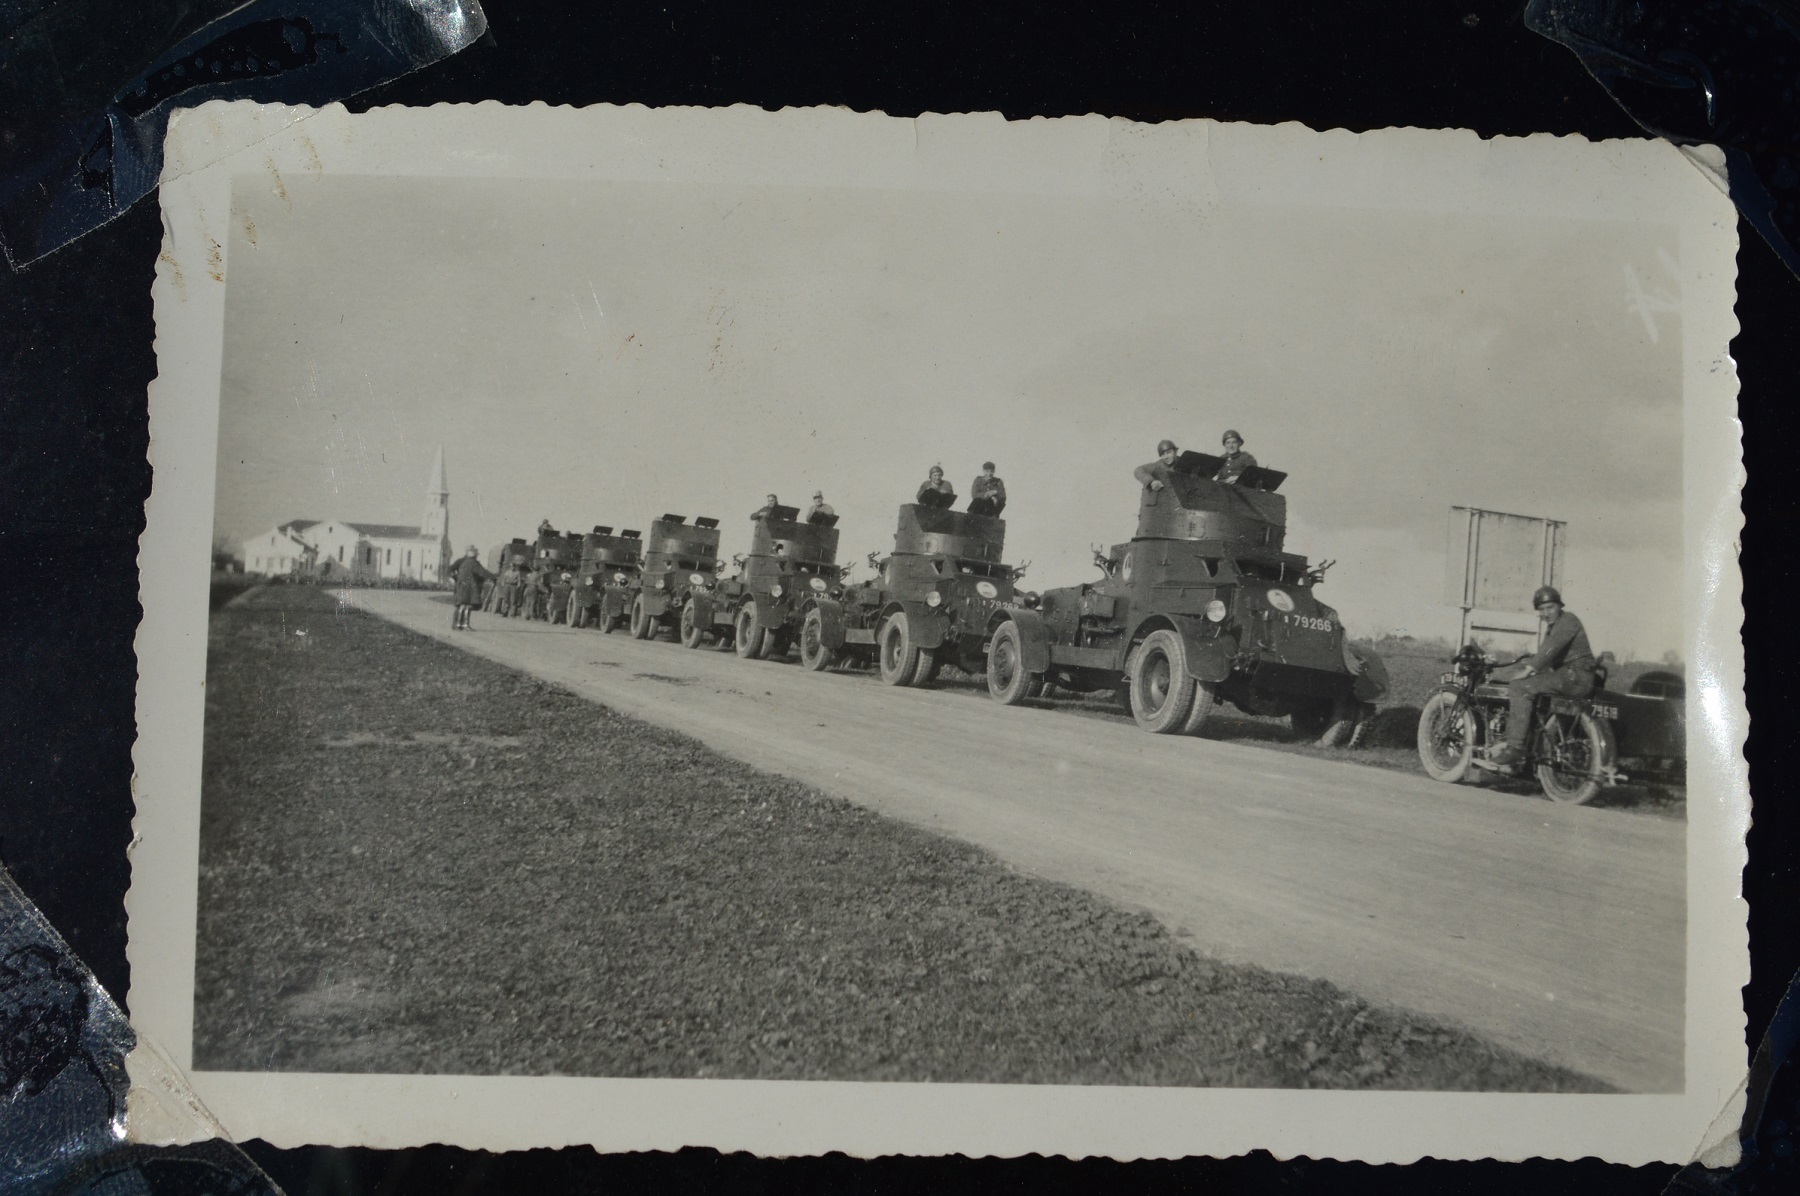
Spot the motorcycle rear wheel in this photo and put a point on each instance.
(1569, 749)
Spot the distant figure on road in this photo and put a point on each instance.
(515, 593)
(536, 594)
(987, 493)
(560, 590)
(769, 504)
(468, 574)
(818, 506)
(503, 589)
(934, 491)
(1236, 459)
(1155, 475)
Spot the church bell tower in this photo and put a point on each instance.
(436, 523)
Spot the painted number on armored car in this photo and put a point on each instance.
(1308, 622)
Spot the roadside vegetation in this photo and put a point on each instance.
(415, 860)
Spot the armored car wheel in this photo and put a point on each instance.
(1446, 738)
(1206, 700)
(1572, 750)
(815, 657)
(751, 638)
(642, 625)
(1008, 681)
(692, 634)
(1162, 688)
(901, 661)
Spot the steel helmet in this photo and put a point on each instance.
(1231, 434)
(1164, 446)
(1545, 594)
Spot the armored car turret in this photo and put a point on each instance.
(1203, 604)
(931, 603)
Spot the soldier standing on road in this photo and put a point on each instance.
(1564, 665)
(1155, 475)
(468, 574)
(516, 593)
(934, 483)
(818, 507)
(503, 589)
(1236, 459)
(770, 502)
(987, 493)
(535, 594)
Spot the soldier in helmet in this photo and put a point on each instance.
(987, 493)
(1236, 459)
(934, 483)
(1155, 475)
(559, 597)
(1564, 665)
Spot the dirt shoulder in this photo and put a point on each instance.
(415, 860)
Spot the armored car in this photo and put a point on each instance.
(1202, 605)
(680, 559)
(932, 602)
(761, 611)
(606, 577)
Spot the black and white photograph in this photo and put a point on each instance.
(941, 635)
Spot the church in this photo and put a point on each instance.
(342, 550)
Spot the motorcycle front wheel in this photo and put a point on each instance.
(1446, 737)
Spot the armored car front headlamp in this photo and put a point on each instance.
(659, 583)
(934, 599)
(1215, 610)
(775, 591)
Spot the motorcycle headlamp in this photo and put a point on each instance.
(1215, 611)
(934, 600)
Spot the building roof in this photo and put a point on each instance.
(387, 531)
(294, 526)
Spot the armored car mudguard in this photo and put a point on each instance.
(1202, 605)
(679, 559)
(931, 603)
(606, 575)
(760, 611)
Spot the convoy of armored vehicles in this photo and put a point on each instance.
(1202, 606)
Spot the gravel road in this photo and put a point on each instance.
(1556, 931)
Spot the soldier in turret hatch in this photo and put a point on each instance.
(544, 528)
(770, 502)
(1236, 459)
(818, 507)
(987, 493)
(935, 484)
(1155, 475)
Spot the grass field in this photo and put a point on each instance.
(415, 860)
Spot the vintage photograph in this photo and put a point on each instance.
(1029, 613)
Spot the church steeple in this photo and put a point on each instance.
(436, 523)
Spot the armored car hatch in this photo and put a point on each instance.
(673, 544)
(780, 534)
(601, 549)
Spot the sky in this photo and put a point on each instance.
(596, 353)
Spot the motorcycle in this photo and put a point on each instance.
(1571, 746)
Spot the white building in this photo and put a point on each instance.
(357, 551)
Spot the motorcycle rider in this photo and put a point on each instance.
(1564, 665)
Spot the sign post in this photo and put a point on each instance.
(1494, 561)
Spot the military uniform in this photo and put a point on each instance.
(1564, 665)
(941, 486)
(816, 508)
(1234, 467)
(468, 574)
(1154, 471)
(987, 495)
(535, 593)
(559, 600)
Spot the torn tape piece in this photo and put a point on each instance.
(69, 1107)
(306, 52)
(1718, 72)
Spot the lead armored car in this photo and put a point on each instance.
(606, 576)
(680, 559)
(554, 554)
(761, 611)
(931, 603)
(1202, 606)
